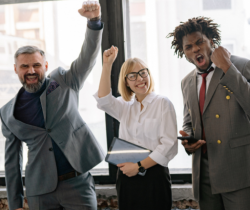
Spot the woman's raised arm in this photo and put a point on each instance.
(109, 57)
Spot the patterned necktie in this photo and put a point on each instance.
(202, 97)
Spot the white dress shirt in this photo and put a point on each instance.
(208, 79)
(154, 127)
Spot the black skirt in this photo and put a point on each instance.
(149, 192)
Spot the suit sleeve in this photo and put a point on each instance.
(13, 169)
(187, 122)
(238, 83)
(82, 66)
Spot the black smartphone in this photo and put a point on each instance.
(190, 139)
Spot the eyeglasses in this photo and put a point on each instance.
(133, 75)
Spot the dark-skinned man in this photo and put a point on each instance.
(216, 111)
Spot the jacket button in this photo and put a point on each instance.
(228, 97)
(217, 116)
(51, 149)
(48, 130)
(219, 141)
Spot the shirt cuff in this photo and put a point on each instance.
(159, 158)
(103, 100)
(95, 25)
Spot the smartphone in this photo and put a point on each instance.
(190, 139)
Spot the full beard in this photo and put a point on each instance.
(33, 88)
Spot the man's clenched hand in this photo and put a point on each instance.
(221, 58)
(90, 9)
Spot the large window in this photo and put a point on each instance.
(151, 21)
(143, 28)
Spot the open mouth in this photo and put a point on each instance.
(31, 78)
(200, 60)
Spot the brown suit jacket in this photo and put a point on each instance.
(228, 97)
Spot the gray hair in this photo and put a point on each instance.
(29, 50)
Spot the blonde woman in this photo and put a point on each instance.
(148, 120)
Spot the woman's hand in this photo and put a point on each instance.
(129, 169)
(110, 55)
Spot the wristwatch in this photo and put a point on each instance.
(141, 168)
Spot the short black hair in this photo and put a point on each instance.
(201, 24)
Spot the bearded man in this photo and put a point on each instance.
(44, 115)
(217, 112)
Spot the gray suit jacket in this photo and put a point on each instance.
(63, 124)
(229, 161)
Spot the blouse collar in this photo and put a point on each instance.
(148, 99)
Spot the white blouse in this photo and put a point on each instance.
(154, 127)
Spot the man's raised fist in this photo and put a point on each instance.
(90, 9)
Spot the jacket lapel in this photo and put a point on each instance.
(12, 104)
(43, 100)
(18, 128)
(194, 103)
(212, 86)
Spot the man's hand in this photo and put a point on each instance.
(191, 147)
(129, 169)
(90, 9)
(20, 209)
(110, 55)
(221, 58)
